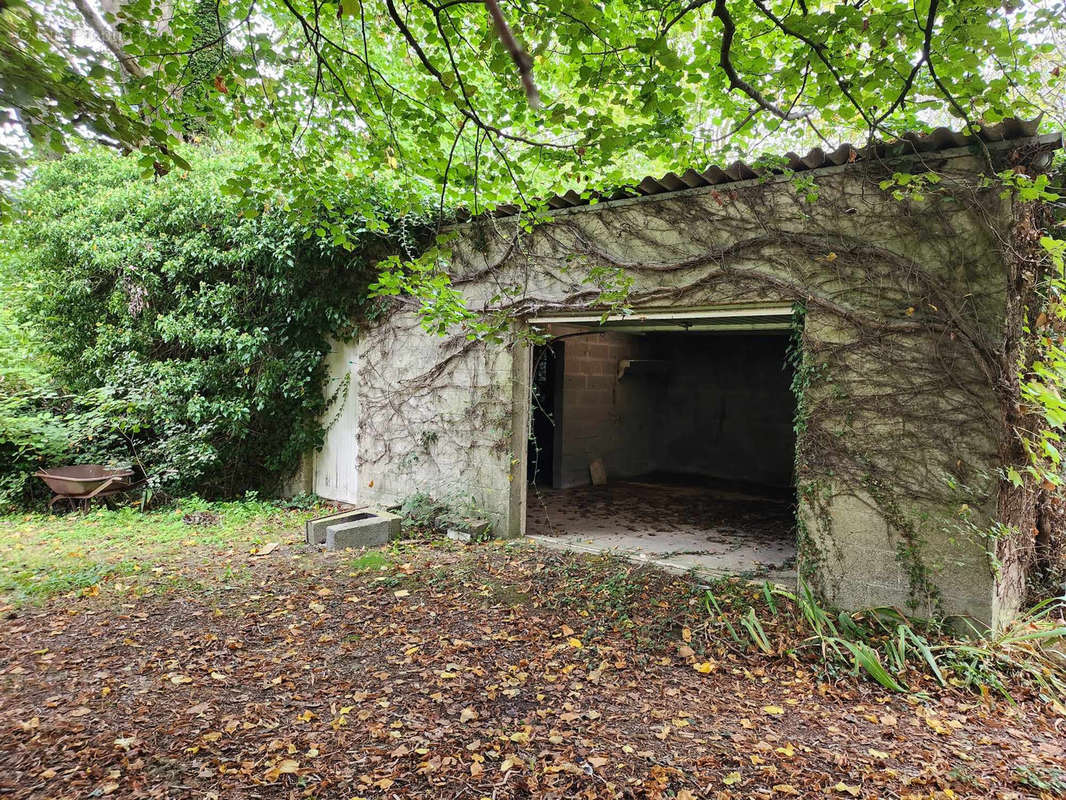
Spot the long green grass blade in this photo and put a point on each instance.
(755, 631)
(927, 653)
(866, 658)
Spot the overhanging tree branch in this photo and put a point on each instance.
(927, 41)
(109, 37)
(519, 56)
(466, 109)
(729, 30)
(819, 49)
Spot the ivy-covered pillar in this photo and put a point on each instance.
(894, 498)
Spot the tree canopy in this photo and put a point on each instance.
(479, 101)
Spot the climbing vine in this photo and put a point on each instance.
(910, 385)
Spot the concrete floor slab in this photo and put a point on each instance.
(707, 529)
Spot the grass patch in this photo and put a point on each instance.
(30, 583)
(372, 560)
(1044, 779)
(42, 555)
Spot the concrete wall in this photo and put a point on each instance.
(883, 283)
(442, 420)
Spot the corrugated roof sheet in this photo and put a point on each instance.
(939, 139)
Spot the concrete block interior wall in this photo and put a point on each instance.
(706, 405)
(601, 416)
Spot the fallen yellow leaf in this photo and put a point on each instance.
(937, 725)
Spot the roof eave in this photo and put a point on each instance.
(739, 175)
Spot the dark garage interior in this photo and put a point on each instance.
(665, 444)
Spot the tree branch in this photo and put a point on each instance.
(729, 30)
(109, 37)
(519, 56)
(930, 23)
(819, 49)
(466, 110)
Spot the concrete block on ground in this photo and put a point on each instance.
(474, 530)
(315, 529)
(370, 528)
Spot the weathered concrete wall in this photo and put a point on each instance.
(336, 472)
(438, 416)
(904, 308)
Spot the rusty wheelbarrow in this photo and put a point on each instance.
(81, 484)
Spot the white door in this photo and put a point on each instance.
(336, 474)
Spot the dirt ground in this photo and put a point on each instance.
(495, 671)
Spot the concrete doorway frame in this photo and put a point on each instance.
(752, 317)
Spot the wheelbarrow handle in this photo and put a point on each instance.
(100, 488)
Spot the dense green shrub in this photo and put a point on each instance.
(181, 331)
(29, 435)
(31, 432)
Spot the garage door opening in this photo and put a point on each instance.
(666, 441)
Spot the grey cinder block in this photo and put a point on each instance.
(366, 529)
(315, 529)
(473, 530)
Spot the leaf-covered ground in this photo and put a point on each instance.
(245, 666)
